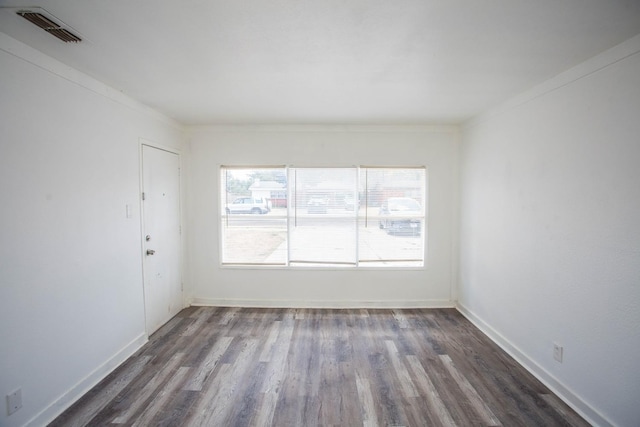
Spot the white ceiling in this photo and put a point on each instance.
(326, 61)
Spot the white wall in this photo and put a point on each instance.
(211, 147)
(550, 232)
(71, 301)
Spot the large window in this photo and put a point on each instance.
(323, 217)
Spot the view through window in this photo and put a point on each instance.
(323, 217)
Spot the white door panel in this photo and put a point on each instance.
(161, 235)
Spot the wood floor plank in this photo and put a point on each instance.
(299, 392)
(209, 364)
(275, 367)
(430, 393)
(566, 417)
(502, 383)
(249, 404)
(406, 382)
(472, 395)
(149, 389)
(157, 404)
(215, 405)
(222, 366)
(385, 393)
(265, 356)
(82, 415)
(201, 411)
(365, 399)
(200, 320)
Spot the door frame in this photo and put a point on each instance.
(141, 143)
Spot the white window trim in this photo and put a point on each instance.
(336, 266)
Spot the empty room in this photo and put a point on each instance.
(331, 213)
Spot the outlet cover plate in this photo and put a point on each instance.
(557, 352)
(14, 401)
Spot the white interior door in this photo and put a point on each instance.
(161, 236)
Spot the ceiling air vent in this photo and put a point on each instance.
(49, 26)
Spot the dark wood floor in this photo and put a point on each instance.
(213, 366)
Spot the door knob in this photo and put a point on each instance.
(150, 252)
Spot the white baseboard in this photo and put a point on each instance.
(83, 386)
(557, 387)
(321, 304)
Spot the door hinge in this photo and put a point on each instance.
(143, 196)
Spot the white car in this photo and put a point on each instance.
(249, 205)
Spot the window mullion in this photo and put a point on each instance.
(356, 206)
(289, 199)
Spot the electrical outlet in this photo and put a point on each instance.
(14, 401)
(557, 352)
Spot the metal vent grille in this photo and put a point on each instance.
(49, 26)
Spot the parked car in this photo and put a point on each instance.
(317, 205)
(401, 215)
(249, 205)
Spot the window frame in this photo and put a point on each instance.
(358, 218)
